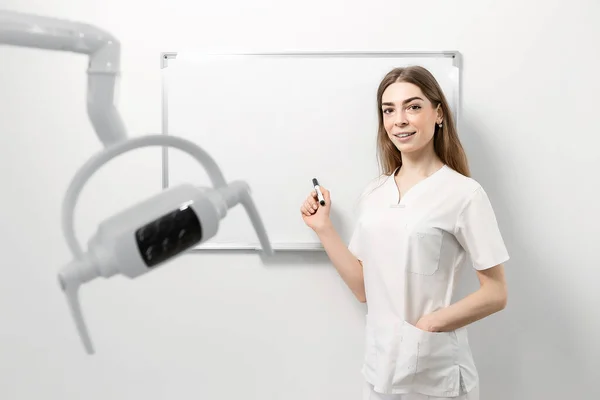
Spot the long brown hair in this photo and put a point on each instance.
(445, 140)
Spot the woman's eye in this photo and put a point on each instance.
(414, 107)
(388, 110)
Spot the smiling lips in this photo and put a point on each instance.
(404, 135)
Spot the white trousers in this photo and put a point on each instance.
(370, 394)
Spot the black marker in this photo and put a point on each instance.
(318, 189)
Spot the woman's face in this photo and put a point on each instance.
(409, 117)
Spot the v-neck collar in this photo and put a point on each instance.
(401, 201)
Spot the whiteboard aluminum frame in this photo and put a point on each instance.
(281, 246)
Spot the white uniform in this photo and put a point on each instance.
(412, 250)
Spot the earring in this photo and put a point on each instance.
(440, 124)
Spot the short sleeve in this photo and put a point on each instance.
(478, 233)
(355, 239)
(355, 242)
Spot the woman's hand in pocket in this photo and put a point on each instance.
(429, 323)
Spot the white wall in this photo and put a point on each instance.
(228, 326)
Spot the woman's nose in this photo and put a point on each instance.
(400, 119)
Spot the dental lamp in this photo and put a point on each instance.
(145, 236)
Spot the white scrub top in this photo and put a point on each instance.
(412, 250)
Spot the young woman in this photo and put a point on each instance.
(417, 225)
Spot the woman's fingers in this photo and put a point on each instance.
(305, 210)
(310, 205)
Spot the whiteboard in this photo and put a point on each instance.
(278, 120)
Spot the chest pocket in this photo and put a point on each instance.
(424, 247)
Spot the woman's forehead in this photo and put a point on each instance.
(401, 91)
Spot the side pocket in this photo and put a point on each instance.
(428, 361)
(406, 362)
(423, 250)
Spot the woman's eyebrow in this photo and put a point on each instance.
(404, 102)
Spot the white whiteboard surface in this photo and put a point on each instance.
(278, 120)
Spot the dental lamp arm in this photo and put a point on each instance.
(150, 233)
(28, 30)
